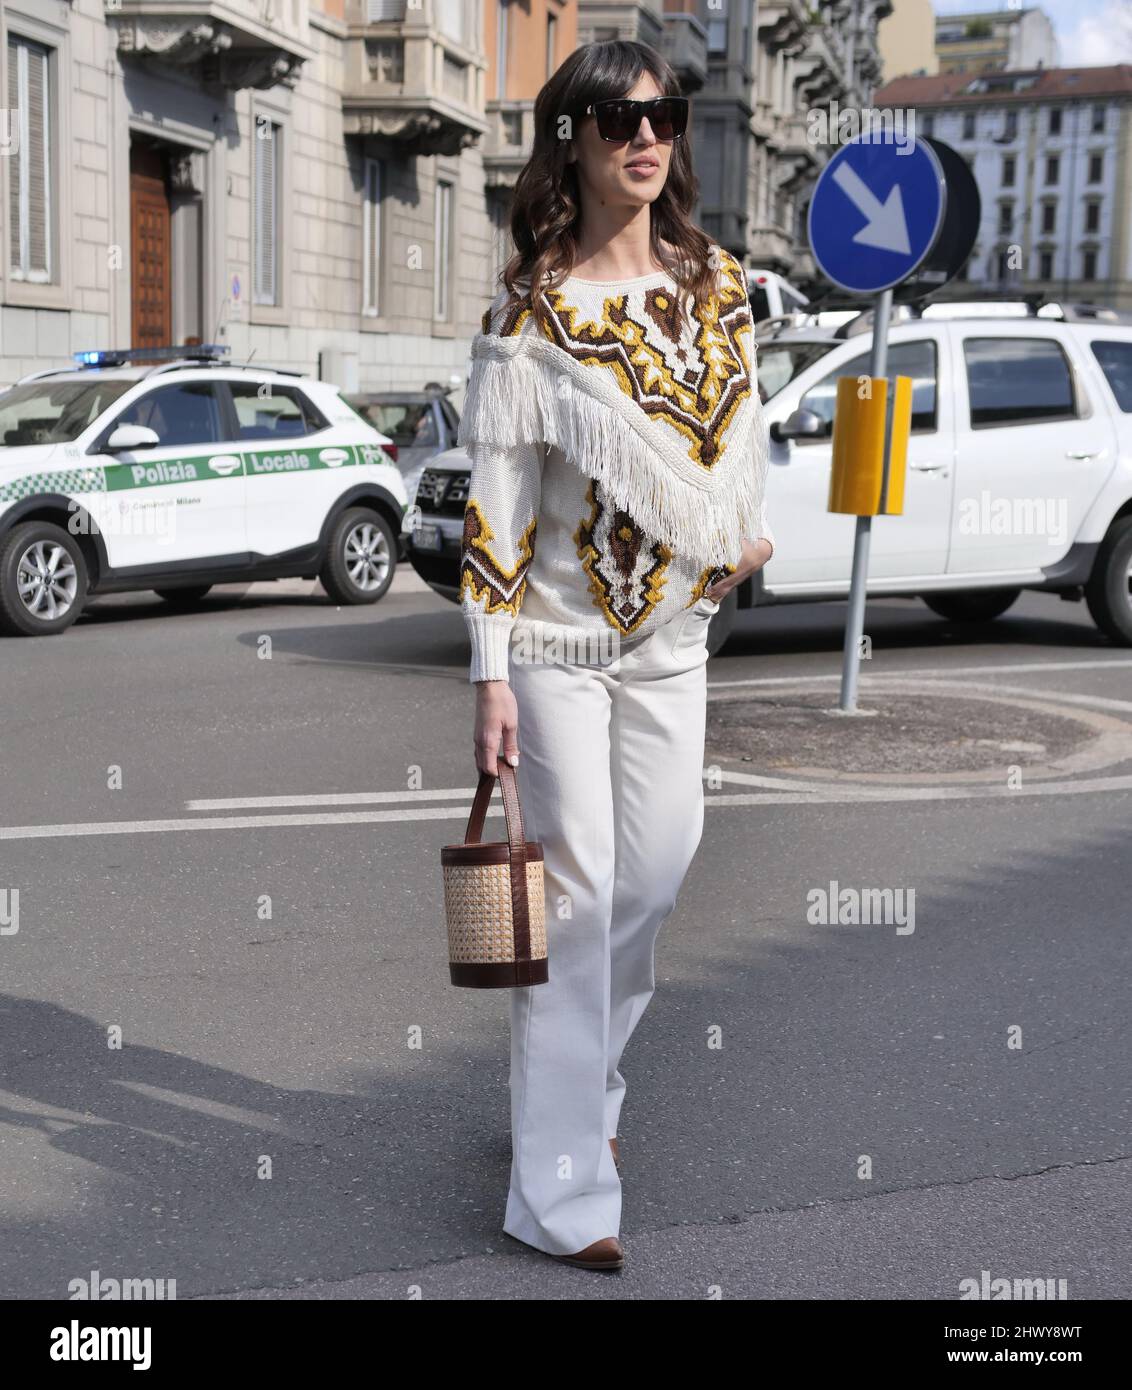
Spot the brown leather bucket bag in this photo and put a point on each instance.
(493, 898)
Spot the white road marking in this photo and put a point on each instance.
(150, 827)
(927, 672)
(247, 803)
(834, 794)
(405, 805)
(829, 794)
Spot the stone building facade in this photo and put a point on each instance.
(324, 185)
(1051, 151)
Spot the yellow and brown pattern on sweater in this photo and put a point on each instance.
(634, 448)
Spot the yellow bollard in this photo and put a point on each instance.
(857, 474)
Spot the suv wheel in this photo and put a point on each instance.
(43, 580)
(183, 598)
(973, 605)
(360, 558)
(1109, 590)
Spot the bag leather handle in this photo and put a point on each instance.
(516, 849)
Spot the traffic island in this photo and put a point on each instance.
(919, 731)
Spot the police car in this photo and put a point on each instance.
(181, 474)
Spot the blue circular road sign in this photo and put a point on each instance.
(876, 212)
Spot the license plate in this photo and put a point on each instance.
(428, 538)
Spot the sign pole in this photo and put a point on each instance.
(855, 620)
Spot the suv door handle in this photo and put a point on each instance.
(924, 467)
(1082, 454)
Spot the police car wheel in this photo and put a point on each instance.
(183, 598)
(1109, 590)
(360, 558)
(43, 580)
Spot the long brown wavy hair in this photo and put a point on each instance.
(546, 208)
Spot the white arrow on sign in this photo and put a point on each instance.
(886, 228)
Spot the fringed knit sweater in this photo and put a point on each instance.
(617, 463)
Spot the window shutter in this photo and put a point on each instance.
(371, 239)
(39, 170)
(264, 210)
(30, 210)
(442, 249)
(14, 164)
(379, 10)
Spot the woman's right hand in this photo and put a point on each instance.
(497, 725)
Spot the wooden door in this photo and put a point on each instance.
(150, 248)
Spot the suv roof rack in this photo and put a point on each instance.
(228, 366)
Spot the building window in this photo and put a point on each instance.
(1010, 126)
(31, 179)
(1008, 167)
(266, 169)
(968, 125)
(1055, 120)
(371, 239)
(1005, 218)
(717, 28)
(1045, 265)
(1098, 120)
(711, 167)
(450, 18)
(551, 44)
(1092, 215)
(1004, 272)
(1096, 168)
(1088, 265)
(1049, 217)
(1053, 168)
(928, 126)
(501, 43)
(443, 245)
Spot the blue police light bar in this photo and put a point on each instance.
(118, 357)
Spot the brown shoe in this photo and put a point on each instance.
(602, 1254)
(616, 1155)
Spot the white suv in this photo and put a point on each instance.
(1019, 467)
(182, 475)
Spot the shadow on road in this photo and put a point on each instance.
(836, 1042)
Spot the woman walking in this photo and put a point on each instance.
(618, 464)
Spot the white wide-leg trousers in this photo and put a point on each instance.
(610, 779)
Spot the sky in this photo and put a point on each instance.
(1089, 32)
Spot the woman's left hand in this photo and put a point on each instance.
(754, 556)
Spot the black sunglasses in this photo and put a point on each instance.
(619, 119)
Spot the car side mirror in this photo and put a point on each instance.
(130, 437)
(802, 424)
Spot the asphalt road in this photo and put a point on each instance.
(889, 1113)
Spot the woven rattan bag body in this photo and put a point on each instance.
(493, 898)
